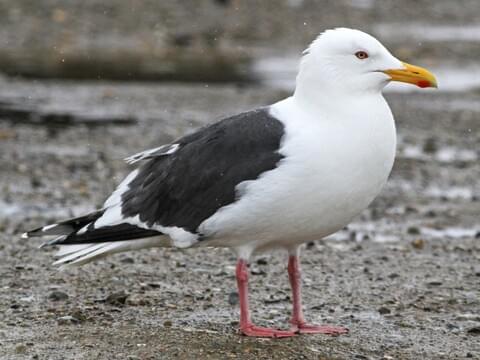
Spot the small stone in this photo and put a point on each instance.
(154, 285)
(167, 323)
(117, 298)
(57, 296)
(435, 283)
(430, 146)
(262, 261)
(274, 299)
(233, 298)
(361, 357)
(384, 310)
(474, 330)
(418, 244)
(413, 230)
(136, 300)
(256, 271)
(451, 326)
(127, 260)
(20, 349)
(68, 319)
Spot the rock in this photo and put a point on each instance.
(20, 349)
(413, 230)
(418, 244)
(262, 261)
(430, 146)
(435, 283)
(273, 299)
(233, 298)
(384, 310)
(167, 323)
(257, 271)
(68, 319)
(117, 298)
(6, 134)
(136, 300)
(127, 260)
(361, 357)
(474, 330)
(57, 296)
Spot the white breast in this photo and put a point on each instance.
(333, 168)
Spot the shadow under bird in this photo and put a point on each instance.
(270, 178)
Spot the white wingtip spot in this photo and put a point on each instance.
(159, 151)
(49, 227)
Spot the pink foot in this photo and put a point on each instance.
(257, 331)
(319, 329)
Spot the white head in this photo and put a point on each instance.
(353, 62)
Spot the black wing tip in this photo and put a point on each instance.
(65, 227)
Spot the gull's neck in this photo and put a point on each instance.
(334, 102)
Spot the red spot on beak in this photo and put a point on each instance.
(423, 83)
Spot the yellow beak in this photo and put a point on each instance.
(413, 75)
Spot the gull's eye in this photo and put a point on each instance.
(361, 55)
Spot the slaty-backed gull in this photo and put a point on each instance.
(274, 177)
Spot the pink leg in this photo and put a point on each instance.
(246, 326)
(299, 324)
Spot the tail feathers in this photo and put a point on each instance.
(65, 227)
(104, 234)
(81, 242)
(71, 255)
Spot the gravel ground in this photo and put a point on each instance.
(404, 276)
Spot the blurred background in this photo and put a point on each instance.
(84, 84)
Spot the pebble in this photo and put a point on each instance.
(117, 298)
(384, 310)
(136, 300)
(413, 230)
(262, 261)
(20, 349)
(57, 296)
(418, 244)
(233, 298)
(68, 319)
(474, 330)
(127, 260)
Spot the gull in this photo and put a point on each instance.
(275, 177)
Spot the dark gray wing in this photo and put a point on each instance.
(200, 175)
